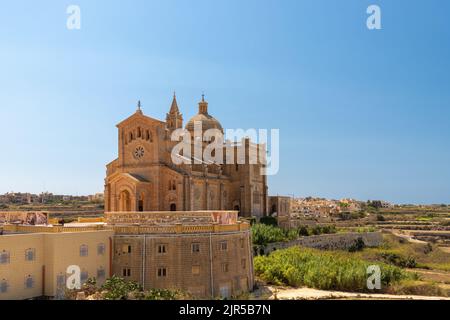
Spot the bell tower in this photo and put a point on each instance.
(174, 119)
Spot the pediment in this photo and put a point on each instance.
(139, 118)
(131, 177)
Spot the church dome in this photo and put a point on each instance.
(207, 121)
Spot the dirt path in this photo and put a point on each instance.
(432, 275)
(315, 294)
(407, 237)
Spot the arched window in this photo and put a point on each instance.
(174, 185)
(139, 132)
(125, 201)
(173, 207)
(29, 282)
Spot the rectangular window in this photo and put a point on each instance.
(30, 255)
(195, 270)
(223, 246)
(101, 273)
(162, 248)
(29, 282)
(126, 272)
(162, 272)
(242, 242)
(101, 249)
(3, 286)
(224, 267)
(243, 263)
(195, 247)
(4, 257)
(84, 276)
(60, 281)
(83, 250)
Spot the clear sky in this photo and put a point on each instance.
(362, 114)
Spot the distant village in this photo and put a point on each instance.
(323, 208)
(308, 207)
(45, 198)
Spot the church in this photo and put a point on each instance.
(144, 177)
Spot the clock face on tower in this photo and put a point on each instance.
(138, 153)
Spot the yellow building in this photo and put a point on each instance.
(205, 253)
(34, 260)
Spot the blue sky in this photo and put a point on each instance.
(362, 114)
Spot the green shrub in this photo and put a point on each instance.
(303, 231)
(358, 245)
(398, 260)
(271, 221)
(164, 294)
(263, 234)
(119, 289)
(327, 270)
(316, 230)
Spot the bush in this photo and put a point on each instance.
(316, 230)
(380, 217)
(398, 260)
(119, 289)
(164, 294)
(270, 221)
(358, 245)
(428, 248)
(325, 270)
(263, 234)
(116, 288)
(303, 231)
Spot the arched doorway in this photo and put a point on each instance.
(125, 201)
(173, 207)
(237, 208)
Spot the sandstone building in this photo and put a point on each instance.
(144, 177)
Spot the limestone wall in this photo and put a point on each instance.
(205, 264)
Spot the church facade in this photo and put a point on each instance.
(145, 178)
